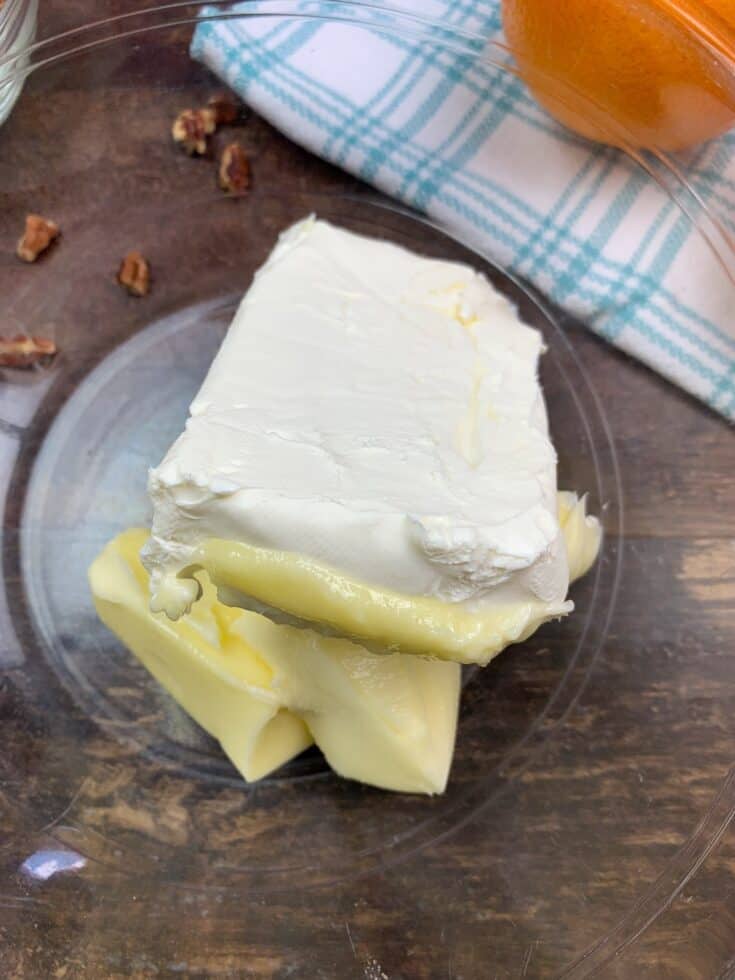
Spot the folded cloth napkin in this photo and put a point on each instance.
(466, 143)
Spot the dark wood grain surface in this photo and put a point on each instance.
(613, 841)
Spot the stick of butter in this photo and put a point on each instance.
(266, 691)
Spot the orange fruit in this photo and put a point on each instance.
(648, 79)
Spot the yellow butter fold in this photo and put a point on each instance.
(582, 533)
(381, 618)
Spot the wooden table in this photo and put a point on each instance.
(618, 826)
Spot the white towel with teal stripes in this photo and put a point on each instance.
(467, 144)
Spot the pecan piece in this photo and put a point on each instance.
(24, 352)
(135, 274)
(234, 169)
(191, 129)
(38, 235)
(225, 107)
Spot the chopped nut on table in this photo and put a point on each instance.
(24, 352)
(38, 235)
(135, 274)
(234, 169)
(225, 107)
(191, 129)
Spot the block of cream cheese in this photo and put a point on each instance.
(265, 691)
(368, 454)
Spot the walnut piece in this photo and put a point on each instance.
(135, 274)
(38, 235)
(191, 129)
(24, 352)
(225, 107)
(234, 169)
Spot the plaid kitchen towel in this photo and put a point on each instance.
(441, 129)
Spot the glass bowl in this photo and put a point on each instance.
(590, 785)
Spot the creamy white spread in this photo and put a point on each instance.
(378, 412)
